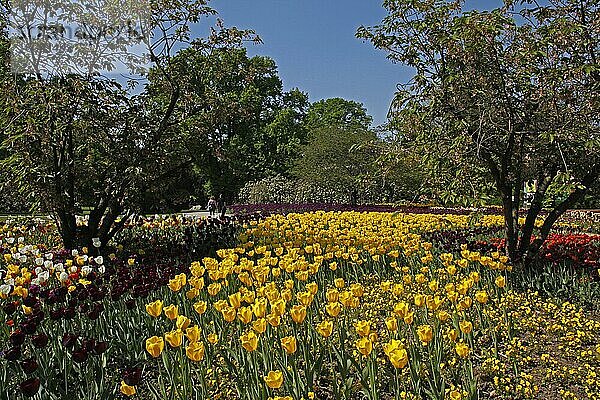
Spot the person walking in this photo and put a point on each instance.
(212, 206)
(221, 205)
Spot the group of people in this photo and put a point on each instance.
(216, 207)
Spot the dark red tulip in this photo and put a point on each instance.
(9, 308)
(88, 344)
(69, 340)
(17, 338)
(100, 348)
(29, 365)
(30, 387)
(80, 356)
(69, 313)
(39, 341)
(30, 301)
(13, 354)
(29, 327)
(132, 376)
(57, 314)
(93, 314)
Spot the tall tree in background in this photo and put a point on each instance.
(334, 161)
(333, 158)
(513, 92)
(337, 112)
(238, 122)
(82, 138)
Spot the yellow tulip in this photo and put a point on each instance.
(466, 327)
(214, 288)
(155, 345)
(433, 285)
(287, 295)
(401, 309)
(260, 325)
(244, 314)
(273, 319)
(155, 308)
(249, 341)
(278, 307)
(434, 302)
(197, 283)
(274, 379)
(425, 333)
(228, 313)
(481, 297)
(443, 316)
(195, 351)
(174, 338)
(455, 395)
(453, 335)
(192, 293)
(197, 269)
(259, 308)
(313, 288)
(325, 328)
(126, 389)
(409, 318)
(391, 323)
(298, 313)
(212, 338)
(200, 307)
(289, 344)
(333, 309)
(465, 303)
(364, 346)
(193, 333)
(235, 300)
(500, 281)
(182, 322)
(339, 283)
(305, 298)
(171, 312)
(332, 295)
(175, 284)
(462, 350)
(363, 328)
(398, 358)
(357, 290)
(392, 345)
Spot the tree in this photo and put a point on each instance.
(79, 139)
(334, 160)
(337, 112)
(238, 122)
(513, 92)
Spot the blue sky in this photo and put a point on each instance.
(313, 44)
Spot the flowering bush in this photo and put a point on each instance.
(285, 208)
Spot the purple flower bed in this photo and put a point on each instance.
(280, 208)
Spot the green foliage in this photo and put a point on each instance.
(75, 141)
(337, 112)
(500, 98)
(332, 160)
(238, 123)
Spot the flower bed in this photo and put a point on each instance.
(315, 305)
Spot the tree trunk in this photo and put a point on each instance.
(67, 227)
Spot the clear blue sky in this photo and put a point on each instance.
(313, 44)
